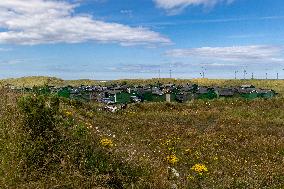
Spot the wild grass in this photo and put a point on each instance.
(240, 142)
(41, 81)
(222, 143)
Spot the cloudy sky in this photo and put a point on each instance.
(113, 39)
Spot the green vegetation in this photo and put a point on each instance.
(44, 145)
(46, 142)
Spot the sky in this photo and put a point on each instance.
(119, 39)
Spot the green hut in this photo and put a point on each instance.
(150, 97)
(121, 97)
(250, 95)
(64, 92)
(207, 93)
(267, 94)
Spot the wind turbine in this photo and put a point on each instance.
(245, 73)
(236, 74)
(203, 72)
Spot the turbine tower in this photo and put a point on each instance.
(236, 74)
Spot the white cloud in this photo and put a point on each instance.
(254, 54)
(175, 6)
(51, 21)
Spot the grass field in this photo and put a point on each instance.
(223, 143)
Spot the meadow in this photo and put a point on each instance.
(47, 142)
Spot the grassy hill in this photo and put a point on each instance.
(224, 143)
(41, 80)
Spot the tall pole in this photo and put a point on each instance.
(245, 72)
(203, 72)
(171, 74)
(252, 76)
(277, 76)
(236, 74)
(266, 74)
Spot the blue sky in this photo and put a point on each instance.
(114, 39)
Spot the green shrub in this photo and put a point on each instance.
(40, 120)
(58, 145)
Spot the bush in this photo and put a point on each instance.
(41, 117)
(58, 145)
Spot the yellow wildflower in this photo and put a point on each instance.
(187, 151)
(89, 125)
(168, 142)
(106, 143)
(68, 113)
(199, 168)
(172, 159)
